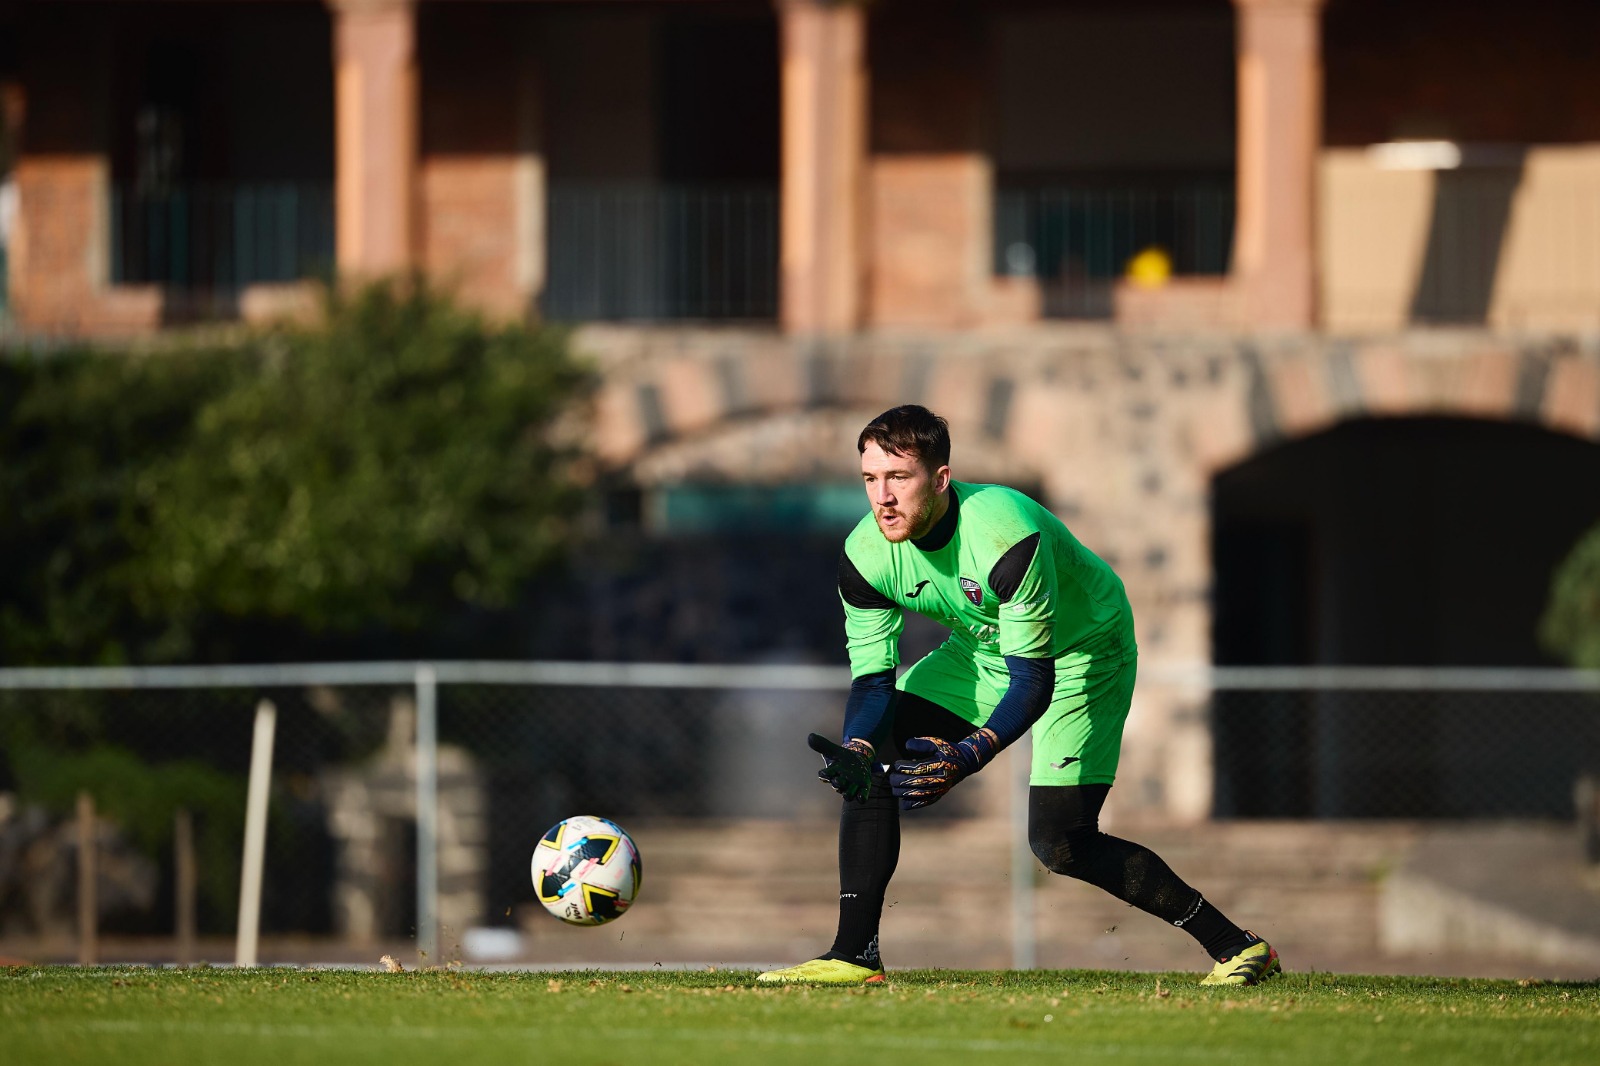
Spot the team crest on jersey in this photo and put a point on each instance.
(973, 590)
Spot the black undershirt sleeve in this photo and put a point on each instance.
(867, 706)
(1033, 681)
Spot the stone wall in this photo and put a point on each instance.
(1121, 434)
(372, 820)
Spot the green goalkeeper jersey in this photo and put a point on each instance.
(1002, 572)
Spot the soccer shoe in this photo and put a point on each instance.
(1254, 964)
(823, 972)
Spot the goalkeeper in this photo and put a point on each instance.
(1041, 638)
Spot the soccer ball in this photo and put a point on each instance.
(586, 870)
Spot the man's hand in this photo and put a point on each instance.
(847, 767)
(919, 782)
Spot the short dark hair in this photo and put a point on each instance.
(909, 429)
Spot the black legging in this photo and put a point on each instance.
(1063, 830)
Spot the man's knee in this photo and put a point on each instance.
(1066, 852)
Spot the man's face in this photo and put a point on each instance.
(904, 493)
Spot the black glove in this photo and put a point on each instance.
(847, 767)
(917, 784)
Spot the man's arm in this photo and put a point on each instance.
(872, 635)
(872, 625)
(939, 765)
(848, 766)
(1033, 681)
(866, 709)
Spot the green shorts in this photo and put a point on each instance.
(1077, 741)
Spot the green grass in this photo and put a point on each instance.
(133, 1016)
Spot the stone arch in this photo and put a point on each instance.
(1297, 391)
(1288, 583)
(1401, 541)
(1267, 397)
(1121, 433)
(801, 446)
(685, 406)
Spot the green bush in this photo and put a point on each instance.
(76, 430)
(143, 798)
(1570, 627)
(393, 467)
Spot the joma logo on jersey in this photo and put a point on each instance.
(973, 590)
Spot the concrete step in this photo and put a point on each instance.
(762, 893)
(766, 891)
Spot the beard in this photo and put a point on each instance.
(913, 523)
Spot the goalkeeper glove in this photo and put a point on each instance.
(919, 783)
(847, 767)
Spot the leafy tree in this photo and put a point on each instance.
(76, 429)
(384, 472)
(141, 796)
(1570, 628)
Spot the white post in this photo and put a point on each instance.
(427, 683)
(1023, 953)
(255, 834)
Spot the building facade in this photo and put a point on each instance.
(828, 165)
(1133, 250)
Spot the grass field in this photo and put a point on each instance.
(133, 1016)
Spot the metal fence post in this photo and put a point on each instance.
(1024, 949)
(88, 882)
(427, 684)
(185, 891)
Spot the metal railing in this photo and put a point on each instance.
(1078, 241)
(1370, 742)
(220, 238)
(646, 252)
(406, 796)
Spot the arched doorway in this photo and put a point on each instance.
(1396, 542)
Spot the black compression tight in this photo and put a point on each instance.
(1064, 832)
(869, 829)
(1063, 829)
(869, 850)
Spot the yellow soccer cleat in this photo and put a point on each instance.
(1251, 966)
(823, 972)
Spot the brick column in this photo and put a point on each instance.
(61, 248)
(930, 182)
(481, 190)
(824, 151)
(375, 128)
(1280, 132)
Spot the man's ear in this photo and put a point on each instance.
(941, 479)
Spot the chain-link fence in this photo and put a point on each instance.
(406, 798)
(1396, 743)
